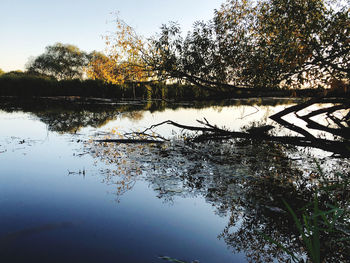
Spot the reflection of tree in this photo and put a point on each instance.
(251, 189)
(134, 115)
(243, 179)
(338, 114)
(71, 114)
(123, 168)
(258, 210)
(67, 121)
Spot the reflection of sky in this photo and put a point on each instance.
(20, 124)
(233, 117)
(40, 184)
(36, 189)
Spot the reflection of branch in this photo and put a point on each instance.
(142, 135)
(278, 117)
(343, 131)
(336, 147)
(129, 141)
(325, 110)
(336, 121)
(214, 133)
(257, 110)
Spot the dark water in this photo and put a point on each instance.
(65, 198)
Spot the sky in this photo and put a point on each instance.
(28, 26)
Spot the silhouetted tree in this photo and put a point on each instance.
(255, 44)
(260, 44)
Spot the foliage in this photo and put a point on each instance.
(306, 42)
(124, 61)
(1, 71)
(18, 74)
(98, 62)
(61, 61)
(260, 44)
(29, 85)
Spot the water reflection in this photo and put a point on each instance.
(243, 179)
(13, 236)
(71, 114)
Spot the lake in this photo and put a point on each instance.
(65, 197)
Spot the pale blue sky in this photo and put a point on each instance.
(27, 26)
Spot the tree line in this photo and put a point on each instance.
(61, 61)
(58, 62)
(262, 44)
(248, 44)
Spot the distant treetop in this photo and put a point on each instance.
(61, 61)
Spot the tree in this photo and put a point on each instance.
(1, 72)
(97, 64)
(301, 43)
(263, 44)
(247, 44)
(125, 59)
(62, 61)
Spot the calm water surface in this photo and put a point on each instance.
(64, 198)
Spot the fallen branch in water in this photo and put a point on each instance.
(212, 132)
(129, 141)
(341, 104)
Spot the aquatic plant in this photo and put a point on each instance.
(322, 226)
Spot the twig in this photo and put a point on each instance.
(257, 110)
(143, 134)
